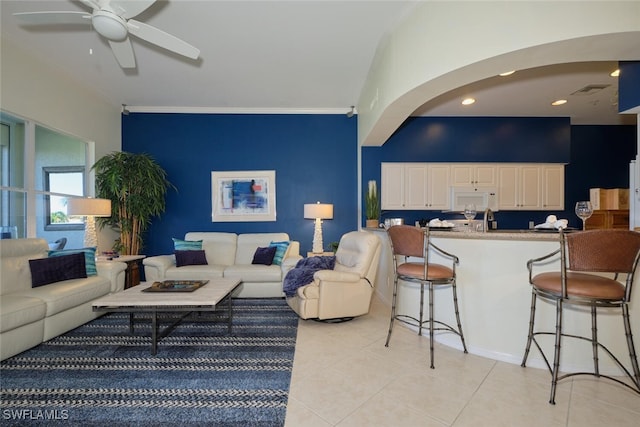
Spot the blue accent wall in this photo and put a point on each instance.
(315, 159)
(629, 85)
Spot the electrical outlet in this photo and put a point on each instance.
(494, 225)
(531, 225)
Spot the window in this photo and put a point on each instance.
(39, 168)
(12, 194)
(60, 182)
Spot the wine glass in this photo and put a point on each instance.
(469, 213)
(584, 210)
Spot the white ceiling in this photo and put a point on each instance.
(287, 56)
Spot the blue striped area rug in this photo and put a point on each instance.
(99, 374)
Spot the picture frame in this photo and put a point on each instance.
(243, 196)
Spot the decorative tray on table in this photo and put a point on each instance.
(176, 286)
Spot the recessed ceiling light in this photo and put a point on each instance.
(615, 73)
(468, 101)
(508, 73)
(559, 102)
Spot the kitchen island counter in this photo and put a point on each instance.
(526, 235)
(495, 296)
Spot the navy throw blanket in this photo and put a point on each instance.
(302, 273)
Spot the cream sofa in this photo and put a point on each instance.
(29, 316)
(345, 291)
(230, 255)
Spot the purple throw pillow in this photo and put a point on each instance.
(190, 258)
(56, 269)
(264, 255)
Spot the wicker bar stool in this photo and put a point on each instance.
(582, 255)
(407, 241)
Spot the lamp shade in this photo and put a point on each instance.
(88, 207)
(318, 210)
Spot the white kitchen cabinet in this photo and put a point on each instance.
(473, 175)
(437, 184)
(392, 188)
(520, 187)
(553, 187)
(415, 186)
(427, 186)
(415, 190)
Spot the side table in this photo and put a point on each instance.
(132, 273)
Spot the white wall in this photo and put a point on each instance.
(32, 90)
(445, 45)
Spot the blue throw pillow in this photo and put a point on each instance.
(281, 250)
(264, 255)
(190, 258)
(89, 258)
(56, 269)
(186, 245)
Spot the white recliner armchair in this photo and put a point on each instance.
(344, 292)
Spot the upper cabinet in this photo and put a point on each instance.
(427, 186)
(415, 186)
(392, 188)
(473, 175)
(553, 187)
(531, 186)
(519, 187)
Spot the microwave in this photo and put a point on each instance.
(483, 198)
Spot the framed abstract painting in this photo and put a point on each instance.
(243, 196)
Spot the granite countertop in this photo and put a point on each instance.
(525, 235)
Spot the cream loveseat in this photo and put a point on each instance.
(230, 255)
(30, 315)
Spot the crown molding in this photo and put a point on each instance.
(219, 110)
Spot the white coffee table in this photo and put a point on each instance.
(205, 299)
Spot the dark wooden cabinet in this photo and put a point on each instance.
(609, 219)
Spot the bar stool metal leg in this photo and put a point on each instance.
(532, 318)
(632, 351)
(556, 356)
(421, 320)
(431, 326)
(594, 340)
(393, 310)
(455, 306)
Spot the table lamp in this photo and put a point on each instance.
(89, 208)
(318, 211)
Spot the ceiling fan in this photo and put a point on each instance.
(112, 20)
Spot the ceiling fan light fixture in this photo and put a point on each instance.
(109, 25)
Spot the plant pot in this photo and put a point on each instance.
(372, 223)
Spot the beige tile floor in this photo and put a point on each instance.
(343, 375)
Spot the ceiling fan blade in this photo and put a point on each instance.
(129, 9)
(92, 4)
(53, 17)
(123, 51)
(162, 39)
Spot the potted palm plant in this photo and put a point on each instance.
(372, 205)
(136, 186)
